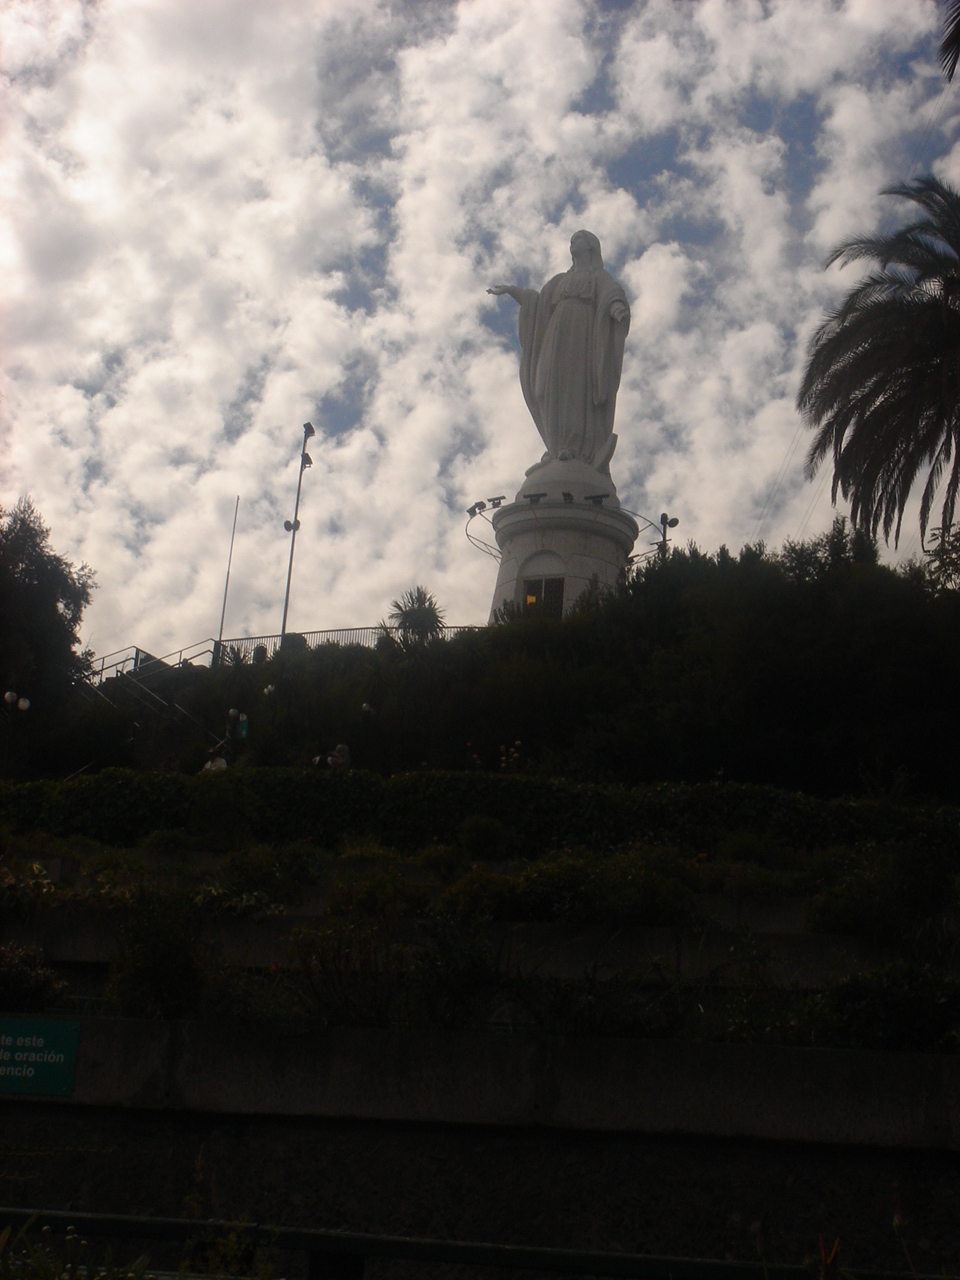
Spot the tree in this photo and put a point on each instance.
(417, 616)
(42, 599)
(882, 382)
(943, 559)
(950, 39)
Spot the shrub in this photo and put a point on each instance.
(159, 968)
(483, 836)
(24, 882)
(348, 973)
(645, 1004)
(26, 986)
(279, 874)
(900, 1006)
(24, 1259)
(443, 861)
(381, 894)
(458, 978)
(886, 892)
(410, 810)
(625, 888)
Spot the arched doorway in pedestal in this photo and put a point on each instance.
(540, 583)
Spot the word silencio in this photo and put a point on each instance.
(38, 1055)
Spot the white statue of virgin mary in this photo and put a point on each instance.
(571, 339)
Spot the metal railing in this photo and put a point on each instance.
(341, 1255)
(132, 660)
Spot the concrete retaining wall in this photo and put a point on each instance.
(655, 1087)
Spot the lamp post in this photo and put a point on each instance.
(666, 522)
(293, 525)
(226, 587)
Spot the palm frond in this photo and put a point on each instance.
(950, 41)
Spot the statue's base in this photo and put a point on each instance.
(553, 547)
(556, 481)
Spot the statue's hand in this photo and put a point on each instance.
(619, 312)
(498, 289)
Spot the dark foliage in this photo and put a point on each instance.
(26, 984)
(901, 1006)
(159, 970)
(42, 598)
(814, 668)
(410, 811)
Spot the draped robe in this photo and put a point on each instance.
(571, 358)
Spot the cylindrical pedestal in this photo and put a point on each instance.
(552, 550)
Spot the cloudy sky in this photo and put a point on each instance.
(224, 218)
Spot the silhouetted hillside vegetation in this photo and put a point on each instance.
(813, 668)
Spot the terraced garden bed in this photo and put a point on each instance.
(742, 934)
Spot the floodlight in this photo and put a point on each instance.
(9, 697)
(305, 460)
(596, 498)
(308, 431)
(495, 502)
(567, 497)
(24, 704)
(672, 524)
(534, 498)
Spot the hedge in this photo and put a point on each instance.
(119, 807)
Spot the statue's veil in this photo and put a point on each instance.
(596, 257)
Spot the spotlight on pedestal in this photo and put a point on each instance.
(567, 497)
(666, 522)
(498, 501)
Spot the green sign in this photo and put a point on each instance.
(38, 1055)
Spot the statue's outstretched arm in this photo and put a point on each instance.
(515, 293)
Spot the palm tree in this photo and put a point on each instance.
(950, 39)
(417, 616)
(882, 382)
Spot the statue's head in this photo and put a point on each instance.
(585, 250)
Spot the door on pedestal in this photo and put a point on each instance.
(543, 595)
